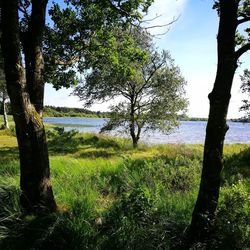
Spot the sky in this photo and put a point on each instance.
(191, 40)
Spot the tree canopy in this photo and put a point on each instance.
(76, 29)
(149, 86)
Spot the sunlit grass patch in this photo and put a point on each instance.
(111, 196)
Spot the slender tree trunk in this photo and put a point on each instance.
(5, 117)
(36, 189)
(207, 201)
(132, 122)
(133, 135)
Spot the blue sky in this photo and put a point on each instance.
(191, 41)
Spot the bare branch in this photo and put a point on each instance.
(150, 20)
(163, 25)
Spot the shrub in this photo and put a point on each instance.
(233, 218)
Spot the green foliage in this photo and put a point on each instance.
(63, 141)
(51, 111)
(77, 27)
(133, 199)
(245, 88)
(233, 218)
(150, 86)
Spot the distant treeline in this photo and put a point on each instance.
(186, 118)
(243, 119)
(51, 111)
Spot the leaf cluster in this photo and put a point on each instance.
(245, 88)
(81, 33)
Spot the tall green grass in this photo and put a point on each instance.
(111, 196)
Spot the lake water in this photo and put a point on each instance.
(188, 131)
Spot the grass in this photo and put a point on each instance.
(111, 196)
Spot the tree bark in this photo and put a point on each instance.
(34, 60)
(36, 189)
(207, 201)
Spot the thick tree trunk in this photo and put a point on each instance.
(36, 189)
(207, 201)
(34, 60)
(5, 117)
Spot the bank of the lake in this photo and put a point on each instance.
(188, 132)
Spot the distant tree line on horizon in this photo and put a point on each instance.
(53, 111)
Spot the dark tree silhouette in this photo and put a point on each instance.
(25, 88)
(232, 13)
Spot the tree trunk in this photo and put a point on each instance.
(132, 133)
(207, 201)
(34, 60)
(132, 121)
(36, 189)
(5, 117)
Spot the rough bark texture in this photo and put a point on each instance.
(26, 103)
(207, 200)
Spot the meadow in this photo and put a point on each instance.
(111, 196)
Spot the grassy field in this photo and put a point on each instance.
(111, 196)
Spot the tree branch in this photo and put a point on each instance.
(242, 50)
(150, 20)
(69, 62)
(163, 25)
(243, 20)
(119, 10)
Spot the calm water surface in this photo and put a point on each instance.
(188, 131)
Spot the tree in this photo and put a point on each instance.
(3, 94)
(245, 88)
(76, 27)
(148, 83)
(231, 45)
(25, 86)
(22, 46)
(3, 91)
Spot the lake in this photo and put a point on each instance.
(188, 131)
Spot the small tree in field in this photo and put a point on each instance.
(245, 88)
(149, 85)
(3, 96)
(3, 90)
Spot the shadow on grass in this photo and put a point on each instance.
(9, 154)
(97, 154)
(9, 162)
(64, 142)
(237, 166)
(130, 223)
(48, 231)
(61, 141)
